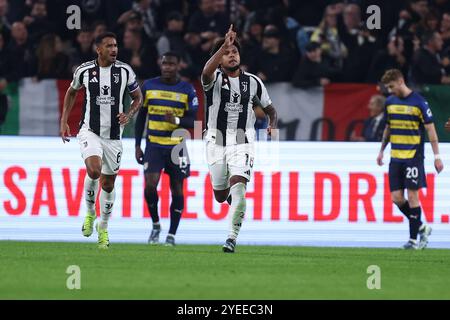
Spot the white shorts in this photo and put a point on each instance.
(110, 151)
(228, 161)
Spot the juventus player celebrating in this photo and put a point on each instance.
(231, 95)
(101, 126)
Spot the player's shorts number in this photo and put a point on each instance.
(119, 155)
(412, 172)
(182, 162)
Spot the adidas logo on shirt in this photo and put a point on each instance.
(94, 80)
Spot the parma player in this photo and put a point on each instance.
(170, 104)
(231, 95)
(408, 117)
(106, 81)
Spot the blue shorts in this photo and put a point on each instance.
(177, 166)
(407, 175)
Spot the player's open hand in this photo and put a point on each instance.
(123, 118)
(139, 155)
(230, 36)
(438, 165)
(64, 132)
(447, 125)
(380, 159)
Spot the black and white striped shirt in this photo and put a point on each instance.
(105, 92)
(229, 107)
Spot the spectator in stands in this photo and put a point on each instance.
(392, 57)
(21, 53)
(134, 21)
(52, 61)
(312, 70)
(441, 5)
(197, 51)
(359, 42)
(5, 25)
(205, 25)
(4, 69)
(445, 29)
(252, 44)
(445, 35)
(274, 63)
(429, 23)
(327, 35)
(98, 28)
(208, 20)
(141, 57)
(374, 126)
(37, 22)
(426, 66)
(144, 8)
(172, 38)
(83, 50)
(243, 16)
(4, 61)
(408, 24)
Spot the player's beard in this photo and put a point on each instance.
(233, 69)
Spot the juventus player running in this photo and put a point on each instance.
(231, 95)
(101, 126)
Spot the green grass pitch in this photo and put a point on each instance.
(37, 270)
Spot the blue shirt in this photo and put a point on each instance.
(160, 98)
(406, 118)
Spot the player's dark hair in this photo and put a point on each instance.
(102, 36)
(220, 41)
(172, 54)
(391, 75)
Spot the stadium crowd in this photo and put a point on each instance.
(327, 41)
(308, 42)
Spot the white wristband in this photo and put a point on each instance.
(437, 157)
(177, 120)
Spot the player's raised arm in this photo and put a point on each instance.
(384, 143)
(214, 62)
(432, 136)
(69, 101)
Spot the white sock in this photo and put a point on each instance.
(90, 192)
(106, 206)
(238, 206)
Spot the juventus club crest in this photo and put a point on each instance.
(116, 78)
(244, 86)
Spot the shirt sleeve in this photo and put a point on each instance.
(262, 94)
(386, 113)
(132, 83)
(208, 86)
(144, 95)
(426, 112)
(77, 82)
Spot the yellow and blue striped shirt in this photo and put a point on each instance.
(160, 98)
(406, 118)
